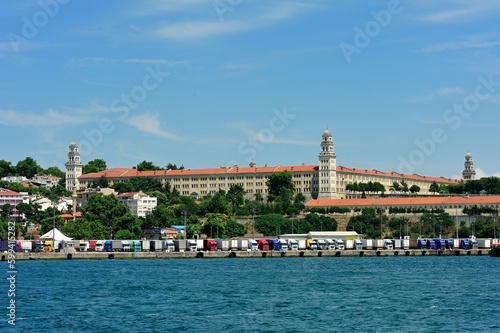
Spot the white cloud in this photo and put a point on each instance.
(149, 123)
(458, 11)
(480, 173)
(460, 45)
(49, 118)
(205, 29)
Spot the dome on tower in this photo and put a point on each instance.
(327, 133)
(73, 144)
(468, 154)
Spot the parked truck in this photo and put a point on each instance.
(146, 245)
(232, 244)
(378, 244)
(431, 244)
(169, 245)
(222, 245)
(200, 245)
(421, 244)
(263, 245)
(99, 246)
(84, 246)
(349, 244)
(283, 244)
(209, 245)
(191, 245)
(450, 243)
(126, 246)
(367, 244)
(136, 246)
(311, 244)
(388, 245)
(440, 244)
(293, 245)
(116, 245)
(253, 245)
(47, 246)
(473, 243)
(108, 246)
(302, 244)
(243, 244)
(358, 244)
(339, 244)
(274, 244)
(484, 243)
(321, 243)
(156, 245)
(465, 244)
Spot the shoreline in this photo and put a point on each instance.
(240, 254)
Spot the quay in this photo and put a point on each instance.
(241, 254)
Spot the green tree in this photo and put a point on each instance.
(124, 234)
(27, 168)
(216, 204)
(234, 229)
(104, 209)
(147, 166)
(280, 180)
(235, 195)
(54, 171)
(269, 224)
(171, 166)
(415, 189)
(434, 187)
(101, 182)
(7, 210)
(93, 166)
(6, 169)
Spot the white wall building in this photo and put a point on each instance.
(140, 203)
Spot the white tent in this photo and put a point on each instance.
(58, 236)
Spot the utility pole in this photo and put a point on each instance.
(53, 224)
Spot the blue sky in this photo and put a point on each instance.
(402, 85)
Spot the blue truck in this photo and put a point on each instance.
(450, 244)
(422, 244)
(440, 244)
(108, 246)
(431, 244)
(274, 244)
(465, 244)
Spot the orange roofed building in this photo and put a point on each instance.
(323, 181)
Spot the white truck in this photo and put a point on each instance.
(146, 246)
(283, 244)
(302, 244)
(388, 245)
(191, 245)
(339, 244)
(349, 244)
(358, 244)
(253, 245)
(126, 246)
(99, 246)
(168, 245)
(321, 244)
(233, 244)
(293, 245)
(84, 246)
(330, 244)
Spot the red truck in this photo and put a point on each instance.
(209, 245)
(263, 245)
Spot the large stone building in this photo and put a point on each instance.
(323, 181)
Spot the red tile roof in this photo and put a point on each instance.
(473, 200)
(128, 194)
(124, 172)
(9, 192)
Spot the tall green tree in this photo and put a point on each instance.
(6, 169)
(28, 168)
(93, 166)
(280, 180)
(147, 166)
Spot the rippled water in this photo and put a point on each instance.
(391, 294)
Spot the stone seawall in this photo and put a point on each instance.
(241, 254)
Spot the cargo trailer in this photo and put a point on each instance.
(116, 245)
(155, 246)
(484, 243)
(349, 244)
(367, 244)
(232, 244)
(222, 244)
(243, 244)
(146, 245)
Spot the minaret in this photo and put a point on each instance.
(327, 168)
(468, 173)
(73, 167)
(252, 164)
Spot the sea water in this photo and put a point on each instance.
(391, 294)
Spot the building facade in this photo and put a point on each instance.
(139, 203)
(73, 167)
(323, 181)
